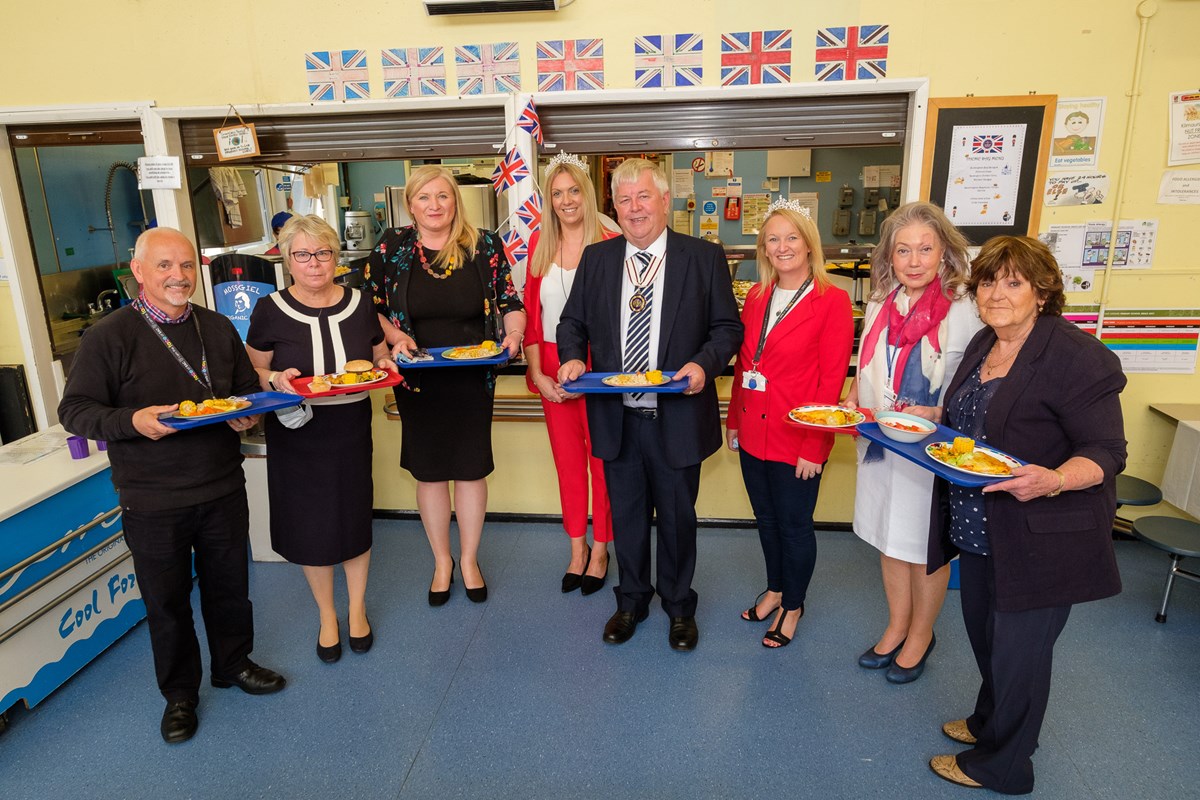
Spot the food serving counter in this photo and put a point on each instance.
(67, 586)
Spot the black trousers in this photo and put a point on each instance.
(162, 543)
(1014, 651)
(641, 484)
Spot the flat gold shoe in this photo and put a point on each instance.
(946, 768)
(957, 730)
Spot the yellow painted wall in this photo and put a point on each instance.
(181, 53)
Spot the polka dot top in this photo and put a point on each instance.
(967, 412)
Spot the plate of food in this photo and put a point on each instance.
(964, 455)
(478, 352)
(213, 408)
(634, 380)
(829, 417)
(356, 376)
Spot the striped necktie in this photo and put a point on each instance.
(637, 338)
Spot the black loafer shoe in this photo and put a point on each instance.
(179, 721)
(873, 659)
(253, 680)
(333, 652)
(622, 625)
(899, 674)
(684, 634)
(361, 644)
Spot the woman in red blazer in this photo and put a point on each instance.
(799, 336)
(572, 223)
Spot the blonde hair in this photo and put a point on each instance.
(464, 237)
(551, 233)
(313, 226)
(812, 239)
(954, 267)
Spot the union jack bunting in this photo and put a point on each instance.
(671, 60)
(987, 145)
(854, 53)
(565, 64)
(414, 72)
(530, 122)
(488, 68)
(515, 247)
(337, 75)
(756, 57)
(510, 171)
(530, 212)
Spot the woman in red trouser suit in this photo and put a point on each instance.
(571, 224)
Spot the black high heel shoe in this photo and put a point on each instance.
(332, 653)
(476, 595)
(571, 581)
(776, 634)
(874, 660)
(590, 583)
(439, 598)
(899, 674)
(751, 613)
(361, 644)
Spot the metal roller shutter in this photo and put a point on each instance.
(749, 123)
(315, 138)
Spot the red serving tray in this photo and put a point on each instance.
(301, 385)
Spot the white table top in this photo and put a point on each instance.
(25, 484)
(1181, 481)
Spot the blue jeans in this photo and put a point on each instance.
(783, 508)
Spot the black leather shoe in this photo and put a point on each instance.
(571, 581)
(874, 660)
(439, 598)
(179, 721)
(590, 583)
(899, 674)
(477, 595)
(332, 653)
(684, 634)
(622, 625)
(361, 644)
(253, 680)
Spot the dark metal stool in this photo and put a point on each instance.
(1133, 491)
(1178, 537)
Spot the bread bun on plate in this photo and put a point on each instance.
(359, 365)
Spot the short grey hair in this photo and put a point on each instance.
(150, 234)
(631, 169)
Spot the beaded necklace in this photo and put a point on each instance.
(441, 276)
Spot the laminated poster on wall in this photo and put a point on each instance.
(681, 183)
(1086, 245)
(754, 213)
(1075, 143)
(1076, 189)
(984, 174)
(719, 164)
(1185, 129)
(808, 200)
(1155, 340)
(1179, 187)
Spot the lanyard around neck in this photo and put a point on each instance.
(206, 381)
(762, 336)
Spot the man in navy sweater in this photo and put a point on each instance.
(179, 490)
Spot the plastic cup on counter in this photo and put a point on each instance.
(78, 445)
(101, 445)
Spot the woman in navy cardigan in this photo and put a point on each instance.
(799, 336)
(1032, 385)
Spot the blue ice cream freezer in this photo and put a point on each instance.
(67, 585)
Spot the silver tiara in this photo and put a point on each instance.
(568, 158)
(791, 205)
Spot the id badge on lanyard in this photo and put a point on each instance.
(754, 380)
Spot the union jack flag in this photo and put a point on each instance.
(515, 247)
(756, 57)
(672, 60)
(987, 145)
(488, 68)
(565, 64)
(337, 75)
(414, 71)
(854, 53)
(510, 171)
(530, 122)
(530, 212)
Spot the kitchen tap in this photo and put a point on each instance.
(103, 305)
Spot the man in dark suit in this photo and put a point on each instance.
(652, 299)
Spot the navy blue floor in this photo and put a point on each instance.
(519, 698)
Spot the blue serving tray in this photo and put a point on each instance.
(439, 360)
(260, 403)
(916, 453)
(593, 383)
